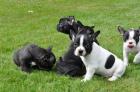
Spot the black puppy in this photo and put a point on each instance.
(68, 23)
(32, 56)
(65, 24)
(70, 64)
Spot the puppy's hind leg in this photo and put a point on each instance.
(137, 59)
(25, 66)
(118, 72)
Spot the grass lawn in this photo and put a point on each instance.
(19, 26)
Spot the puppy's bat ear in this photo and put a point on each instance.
(139, 30)
(72, 35)
(49, 49)
(72, 18)
(92, 27)
(96, 34)
(121, 30)
(80, 23)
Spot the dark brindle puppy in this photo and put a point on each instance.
(68, 23)
(32, 56)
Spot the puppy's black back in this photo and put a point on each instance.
(70, 64)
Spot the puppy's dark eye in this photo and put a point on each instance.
(75, 44)
(87, 45)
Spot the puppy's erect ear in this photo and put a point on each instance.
(92, 27)
(49, 49)
(72, 35)
(72, 18)
(80, 23)
(96, 34)
(121, 30)
(139, 30)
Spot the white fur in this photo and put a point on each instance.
(80, 47)
(95, 63)
(135, 49)
(33, 63)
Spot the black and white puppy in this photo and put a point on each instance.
(70, 64)
(96, 59)
(32, 56)
(131, 43)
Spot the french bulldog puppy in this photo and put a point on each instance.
(95, 58)
(131, 43)
(33, 56)
(69, 23)
(66, 24)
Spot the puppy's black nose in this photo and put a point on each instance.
(130, 42)
(80, 51)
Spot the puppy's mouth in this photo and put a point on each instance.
(130, 46)
(80, 54)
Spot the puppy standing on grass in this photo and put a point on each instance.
(131, 43)
(96, 59)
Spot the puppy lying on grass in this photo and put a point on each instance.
(32, 56)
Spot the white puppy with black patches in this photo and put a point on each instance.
(96, 59)
(131, 44)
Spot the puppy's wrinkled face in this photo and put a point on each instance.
(131, 37)
(83, 41)
(83, 45)
(65, 23)
(47, 56)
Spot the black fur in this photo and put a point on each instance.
(68, 23)
(126, 34)
(70, 64)
(136, 36)
(43, 58)
(110, 62)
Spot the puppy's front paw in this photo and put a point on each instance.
(84, 80)
(126, 64)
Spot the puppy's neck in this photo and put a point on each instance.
(96, 50)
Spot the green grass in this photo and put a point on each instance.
(18, 28)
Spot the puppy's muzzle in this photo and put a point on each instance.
(80, 52)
